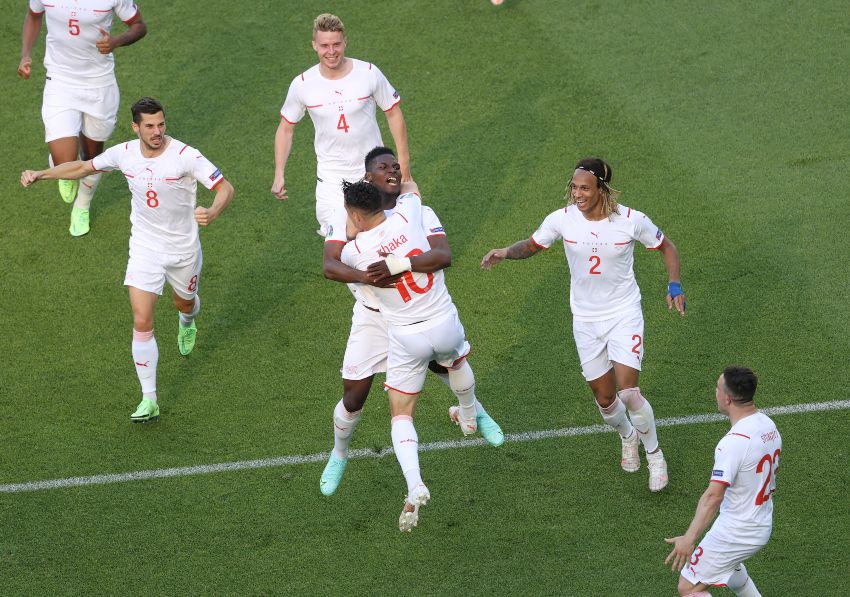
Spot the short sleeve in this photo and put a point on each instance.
(646, 232)
(549, 231)
(293, 108)
(204, 171)
(431, 224)
(728, 457)
(337, 227)
(109, 160)
(36, 6)
(348, 256)
(126, 10)
(385, 94)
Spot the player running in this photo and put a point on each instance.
(80, 105)
(742, 483)
(340, 94)
(599, 238)
(422, 323)
(162, 174)
(368, 342)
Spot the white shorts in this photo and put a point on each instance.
(714, 560)
(68, 111)
(329, 198)
(412, 347)
(619, 339)
(368, 343)
(148, 270)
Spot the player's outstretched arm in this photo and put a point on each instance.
(398, 129)
(136, 30)
(519, 250)
(282, 147)
(385, 272)
(223, 196)
(334, 269)
(675, 297)
(683, 546)
(67, 171)
(30, 32)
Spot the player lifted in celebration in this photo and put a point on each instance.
(341, 94)
(598, 236)
(423, 323)
(368, 342)
(742, 482)
(80, 104)
(162, 174)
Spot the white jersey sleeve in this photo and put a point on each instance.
(431, 224)
(293, 108)
(386, 97)
(109, 160)
(646, 232)
(201, 168)
(549, 231)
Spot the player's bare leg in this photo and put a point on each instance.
(65, 149)
(406, 447)
(88, 185)
(346, 415)
(643, 419)
(613, 412)
(145, 353)
(187, 331)
(688, 589)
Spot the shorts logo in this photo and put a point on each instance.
(438, 229)
(330, 232)
(215, 174)
(717, 473)
(659, 234)
(395, 94)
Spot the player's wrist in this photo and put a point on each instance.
(397, 265)
(674, 289)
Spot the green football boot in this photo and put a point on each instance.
(79, 222)
(186, 337)
(68, 190)
(332, 475)
(147, 411)
(490, 430)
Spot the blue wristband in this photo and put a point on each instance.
(674, 289)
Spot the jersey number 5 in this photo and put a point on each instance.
(770, 480)
(74, 26)
(406, 281)
(342, 124)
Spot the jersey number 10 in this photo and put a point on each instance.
(406, 281)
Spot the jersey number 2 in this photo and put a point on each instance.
(406, 281)
(595, 260)
(342, 124)
(770, 481)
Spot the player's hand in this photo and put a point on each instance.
(279, 190)
(493, 257)
(25, 68)
(682, 550)
(204, 216)
(378, 274)
(105, 44)
(676, 298)
(29, 176)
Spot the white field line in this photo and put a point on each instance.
(527, 436)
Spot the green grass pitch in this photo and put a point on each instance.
(726, 122)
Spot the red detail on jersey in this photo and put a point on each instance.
(435, 234)
(460, 360)
(334, 240)
(356, 247)
(128, 175)
(49, 5)
(302, 76)
(741, 434)
(399, 391)
(286, 119)
(182, 150)
(572, 242)
(101, 10)
(126, 146)
(727, 484)
(365, 97)
(402, 217)
(629, 213)
(628, 242)
(32, 12)
(393, 106)
(537, 243)
(134, 18)
(370, 66)
(316, 106)
(91, 163)
(174, 178)
(220, 180)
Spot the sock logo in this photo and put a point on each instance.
(145, 364)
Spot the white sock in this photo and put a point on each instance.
(741, 583)
(615, 415)
(443, 377)
(643, 419)
(406, 447)
(186, 319)
(145, 356)
(344, 424)
(88, 185)
(462, 383)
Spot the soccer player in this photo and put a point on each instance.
(598, 237)
(80, 104)
(368, 342)
(340, 94)
(742, 482)
(162, 174)
(423, 323)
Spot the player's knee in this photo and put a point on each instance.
(739, 578)
(688, 589)
(631, 397)
(355, 392)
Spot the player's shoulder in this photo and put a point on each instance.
(363, 66)
(181, 149)
(305, 77)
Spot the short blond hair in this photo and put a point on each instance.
(328, 22)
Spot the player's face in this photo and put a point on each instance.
(330, 46)
(720, 394)
(355, 216)
(385, 174)
(151, 130)
(585, 191)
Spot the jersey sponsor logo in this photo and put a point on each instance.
(393, 244)
(438, 229)
(659, 234)
(717, 472)
(215, 174)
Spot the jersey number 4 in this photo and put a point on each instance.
(768, 464)
(406, 281)
(342, 125)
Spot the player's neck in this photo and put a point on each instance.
(741, 412)
(388, 201)
(373, 222)
(149, 152)
(339, 72)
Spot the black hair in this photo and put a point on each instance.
(598, 167)
(362, 196)
(740, 383)
(374, 153)
(146, 105)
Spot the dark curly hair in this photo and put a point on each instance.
(362, 196)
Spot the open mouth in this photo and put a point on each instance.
(392, 180)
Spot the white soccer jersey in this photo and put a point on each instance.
(73, 28)
(746, 460)
(163, 191)
(600, 255)
(343, 114)
(416, 296)
(431, 226)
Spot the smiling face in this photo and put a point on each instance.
(586, 194)
(330, 47)
(151, 131)
(385, 174)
